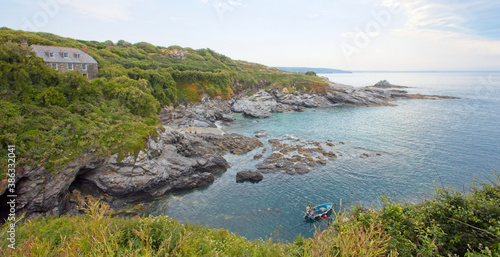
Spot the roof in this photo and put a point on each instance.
(73, 55)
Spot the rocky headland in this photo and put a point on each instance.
(265, 102)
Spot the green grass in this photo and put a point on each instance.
(450, 224)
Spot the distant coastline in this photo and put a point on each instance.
(317, 70)
(373, 71)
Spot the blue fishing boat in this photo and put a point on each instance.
(320, 211)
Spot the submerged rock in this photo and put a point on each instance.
(294, 156)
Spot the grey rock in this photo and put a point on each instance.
(174, 160)
(249, 176)
(257, 156)
(41, 191)
(385, 84)
(201, 114)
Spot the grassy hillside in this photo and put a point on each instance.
(53, 118)
(452, 223)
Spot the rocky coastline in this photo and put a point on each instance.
(190, 150)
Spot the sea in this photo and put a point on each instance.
(422, 144)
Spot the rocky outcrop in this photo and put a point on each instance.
(42, 191)
(234, 143)
(174, 160)
(251, 176)
(262, 104)
(301, 99)
(339, 94)
(294, 156)
(265, 102)
(202, 114)
(385, 84)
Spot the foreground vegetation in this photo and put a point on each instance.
(53, 117)
(451, 223)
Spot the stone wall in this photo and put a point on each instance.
(90, 72)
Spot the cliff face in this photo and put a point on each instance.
(175, 160)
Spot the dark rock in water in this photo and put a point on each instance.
(260, 133)
(249, 176)
(257, 156)
(385, 84)
(368, 155)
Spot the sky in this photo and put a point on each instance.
(380, 35)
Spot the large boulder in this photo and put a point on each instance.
(259, 105)
(251, 176)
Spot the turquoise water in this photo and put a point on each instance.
(447, 142)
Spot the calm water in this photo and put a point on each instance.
(421, 142)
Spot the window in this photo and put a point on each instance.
(84, 66)
(54, 66)
(51, 55)
(65, 55)
(77, 55)
(70, 66)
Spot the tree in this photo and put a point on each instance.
(122, 42)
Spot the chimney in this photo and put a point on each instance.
(24, 43)
(84, 49)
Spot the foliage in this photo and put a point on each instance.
(398, 229)
(54, 117)
(166, 67)
(98, 234)
(347, 238)
(452, 222)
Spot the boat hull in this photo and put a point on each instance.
(320, 211)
